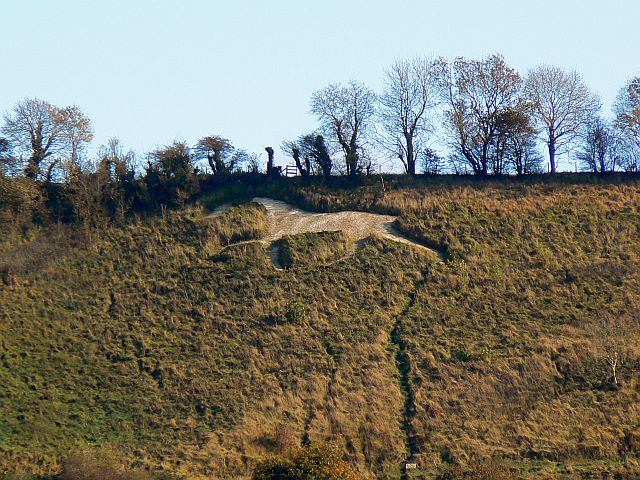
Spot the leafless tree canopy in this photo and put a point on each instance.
(36, 130)
(48, 137)
(562, 106)
(626, 109)
(613, 334)
(495, 123)
(412, 91)
(77, 132)
(515, 144)
(597, 151)
(114, 160)
(345, 112)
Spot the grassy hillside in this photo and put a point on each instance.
(199, 358)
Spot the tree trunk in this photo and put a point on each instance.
(352, 163)
(484, 160)
(216, 163)
(31, 170)
(614, 368)
(296, 157)
(307, 165)
(49, 176)
(323, 159)
(552, 155)
(221, 168)
(270, 155)
(411, 161)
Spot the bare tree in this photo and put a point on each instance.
(36, 129)
(77, 133)
(597, 152)
(562, 106)
(515, 142)
(114, 157)
(478, 93)
(626, 151)
(6, 156)
(627, 121)
(413, 90)
(302, 164)
(432, 163)
(614, 337)
(219, 153)
(345, 112)
(627, 109)
(238, 159)
(253, 164)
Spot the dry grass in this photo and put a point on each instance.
(160, 342)
(160, 339)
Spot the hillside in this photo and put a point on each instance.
(196, 356)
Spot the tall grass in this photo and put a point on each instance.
(159, 337)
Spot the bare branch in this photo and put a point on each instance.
(345, 113)
(562, 106)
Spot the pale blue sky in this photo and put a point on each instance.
(150, 72)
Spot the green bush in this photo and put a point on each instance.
(295, 312)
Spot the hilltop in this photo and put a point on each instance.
(175, 340)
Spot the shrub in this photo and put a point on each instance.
(241, 223)
(295, 312)
(20, 199)
(321, 462)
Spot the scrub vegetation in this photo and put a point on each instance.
(172, 341)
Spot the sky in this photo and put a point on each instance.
(151, 72)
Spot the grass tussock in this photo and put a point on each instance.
(241, 223)
(312, 249)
